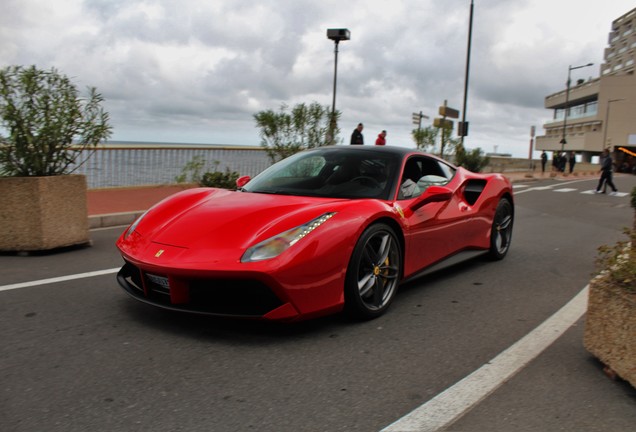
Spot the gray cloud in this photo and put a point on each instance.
(197, 71)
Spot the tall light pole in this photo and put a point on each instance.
(606, 124)
(463, 126)
(567, 101)
(336, 35)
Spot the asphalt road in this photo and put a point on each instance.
(81, 355)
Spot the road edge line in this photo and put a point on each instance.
(448, 406)
(58, 279)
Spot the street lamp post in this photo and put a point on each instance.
(567, 101)
(463, 126)
(336, 35)
(606, 124)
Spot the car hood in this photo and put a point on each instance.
(225, 219)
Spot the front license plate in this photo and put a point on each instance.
(159, 280)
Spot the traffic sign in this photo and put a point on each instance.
(462, 129)
(443, 123)
(445, 111)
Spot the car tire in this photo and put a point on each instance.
(374, 272)
(501, 232)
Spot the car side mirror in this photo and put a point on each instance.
(242, 181)
(432, 194)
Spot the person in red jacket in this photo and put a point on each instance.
(381, 138)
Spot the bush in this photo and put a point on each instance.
(473, 161)
(617, 263)
(226, 180)
(48, 124)
(193, 172)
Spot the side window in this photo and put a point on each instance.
(420, 173)
(410, 176)
(449, 171)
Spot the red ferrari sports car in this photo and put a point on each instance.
(328, 229)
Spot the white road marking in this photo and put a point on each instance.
(565, 190)
(457, 400)
(538, 188)
(454, 402)
(59, 279)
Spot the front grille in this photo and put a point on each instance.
(235, 297)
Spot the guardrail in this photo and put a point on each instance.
(120, 166)
(130, 165)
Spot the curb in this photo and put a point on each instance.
(113, 219)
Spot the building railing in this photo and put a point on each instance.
(120, 166)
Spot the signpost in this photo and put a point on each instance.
(417, 119)
(444, 124)
(532, 133)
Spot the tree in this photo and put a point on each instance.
(48, 124)
(285, 133)
(425, 138)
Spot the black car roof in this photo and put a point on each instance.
(394, 150)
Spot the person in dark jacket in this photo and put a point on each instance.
(356, 136)
(544, 160)
(381, 138)
(606, 174)
(572, 161)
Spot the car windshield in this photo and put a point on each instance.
(335, 172)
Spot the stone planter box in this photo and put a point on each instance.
(43, 213)
(610, 328)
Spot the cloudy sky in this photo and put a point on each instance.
(196, 71)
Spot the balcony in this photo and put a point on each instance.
(588, 90)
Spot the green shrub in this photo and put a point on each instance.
(48, 124)
(217, 179)
(473, 160)
(194, 172)
(617, 263)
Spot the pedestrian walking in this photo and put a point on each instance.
(544, 160)
(356, 137)
(381, 138)
(606, 174)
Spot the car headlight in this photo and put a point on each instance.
(131, 229)
(278, 244)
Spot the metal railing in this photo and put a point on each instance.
(120, 166)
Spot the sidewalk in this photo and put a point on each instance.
(121, 206)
